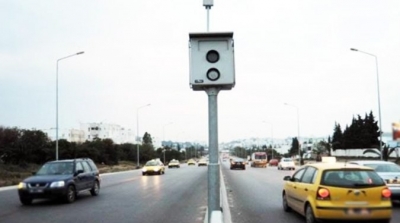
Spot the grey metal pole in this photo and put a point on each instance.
(379, 108)
(213, 166)
(57, 98)
(298, 134)
(137, 138)
(379, 98)
(208, 18)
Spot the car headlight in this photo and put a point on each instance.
(156, 169)
(57, 184)
(22, 185)
(144, 169)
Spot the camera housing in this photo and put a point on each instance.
(212, 62)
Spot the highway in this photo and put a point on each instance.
(179, 196)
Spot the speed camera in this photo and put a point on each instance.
(212, 62)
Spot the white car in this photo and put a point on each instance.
(286, 163)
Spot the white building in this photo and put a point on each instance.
(107, 131)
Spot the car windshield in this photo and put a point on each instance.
(174, 161)
(353, 178)
(261, 157)
(57, 168)
(387, 168)
(151, 163)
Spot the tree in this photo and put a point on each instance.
(372, 131)
(337, 138)
(147, 139)
(386, 152)
(294, 149)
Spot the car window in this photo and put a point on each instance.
(92, 165)
(297, 176)
(78, 166)
(86, 167)
(56, 168)
(151, 163)
(354, 178)
(308, 175)
(390, 168)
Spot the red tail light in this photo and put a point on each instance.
(323, 194)
(386, 193)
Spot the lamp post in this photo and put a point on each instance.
(298, 130)
(164, 136)
(272, 138)
(75, 54)
(137, 133)
(379, 98)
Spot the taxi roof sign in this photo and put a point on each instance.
(328, 159)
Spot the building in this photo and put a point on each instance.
(107, 131)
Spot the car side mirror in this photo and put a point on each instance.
(287, 178)
(78, 172)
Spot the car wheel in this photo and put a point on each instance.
(96, 189)
(25, 201)
(143, 174)
(285, 205)
(310, 218)
(71, 194)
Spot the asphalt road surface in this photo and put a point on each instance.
(254, 196)
(179, 196)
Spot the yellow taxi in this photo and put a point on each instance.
(202, 162)
(337, 191)
(154, 166)
(191, 162)
(174, 163)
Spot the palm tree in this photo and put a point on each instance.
(386, 152)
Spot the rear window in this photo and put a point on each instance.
(354, 178)
(287, 160)
(260, 157)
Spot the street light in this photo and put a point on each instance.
(298, 130)
(137, 133)
(75, 54)
(164, 137)
(379, 98)
(272, 137)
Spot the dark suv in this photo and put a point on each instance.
(61, 179)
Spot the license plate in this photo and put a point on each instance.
(358, 211)
(36, 190)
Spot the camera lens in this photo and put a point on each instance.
(213, 74)
(212, 56)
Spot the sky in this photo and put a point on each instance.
(136, 53)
